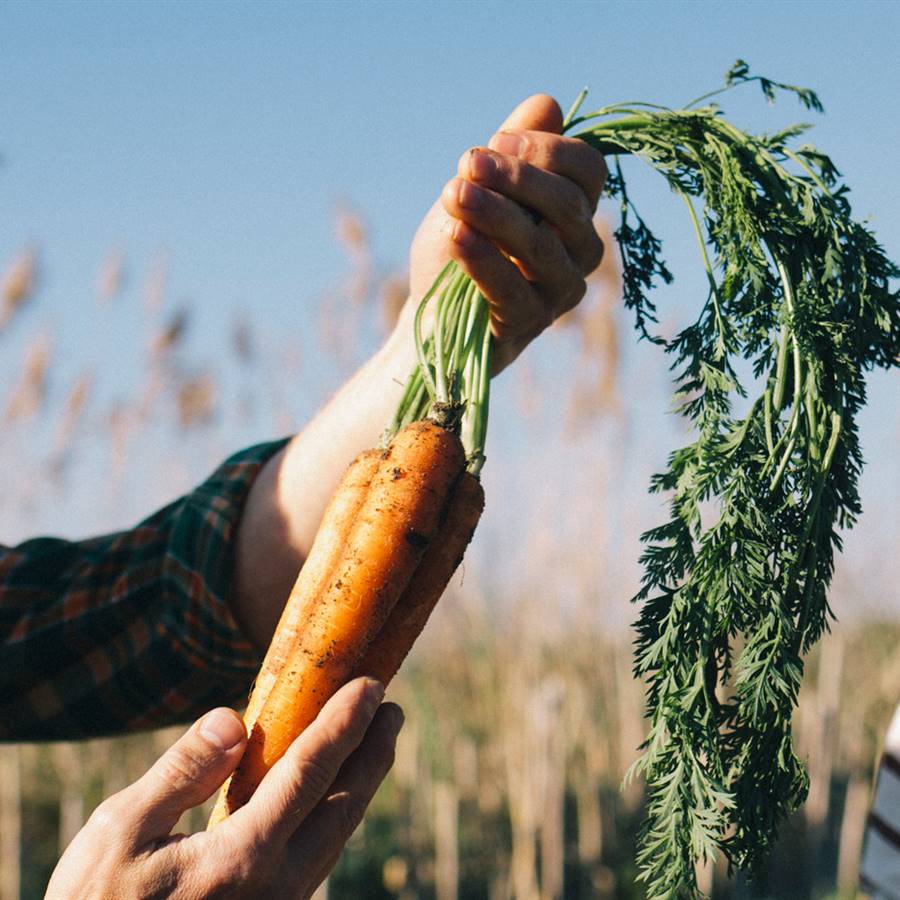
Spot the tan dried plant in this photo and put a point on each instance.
(341, 310)
(171, 334)
(29, 392)
(119, 423)
(393, 293)
(353, 235)
(242, 339)
(72, 413)
(18, 284)
(196, 397)
(111, 276)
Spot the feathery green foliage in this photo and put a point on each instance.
(734, 590)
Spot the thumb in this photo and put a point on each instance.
(540, 112)
(187, 774)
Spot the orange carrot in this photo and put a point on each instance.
(323, 556)
(397, 520)
(391, 645)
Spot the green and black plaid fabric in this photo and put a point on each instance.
(130, 630)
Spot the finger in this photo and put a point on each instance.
(539, 112)
(557, 199)
(186, 775)
(299, 780)
(535, 246)
(517, 309)
(324, 833)
(570, 157)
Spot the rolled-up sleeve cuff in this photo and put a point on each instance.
(199, 570)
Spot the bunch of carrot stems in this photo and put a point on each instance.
(451, 381)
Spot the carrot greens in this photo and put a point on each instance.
(729, 607)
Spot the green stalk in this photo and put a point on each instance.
(707, 265)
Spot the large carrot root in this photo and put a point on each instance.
(392, 644)
(323, 556)
(397, 520)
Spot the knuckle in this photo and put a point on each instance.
(582, 209)
(107, 817)
(464, 244)
(553, 155)
(231, 879)
(543, 249)
(351, 809)
(314, 774)
(509, 172)
(527, 150)
(575, 211)
(181, 766)
(450, 194)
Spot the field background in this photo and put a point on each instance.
(202, 235)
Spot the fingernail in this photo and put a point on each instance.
(481, 165)
(374, 694)
(223, 729)
(470, 196)
(506, 142)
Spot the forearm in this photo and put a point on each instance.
(287, 500)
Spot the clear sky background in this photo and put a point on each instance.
(225, 133)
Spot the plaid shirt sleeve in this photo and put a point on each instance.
(131, 630)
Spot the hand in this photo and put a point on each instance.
(518, 219)
(280, 845)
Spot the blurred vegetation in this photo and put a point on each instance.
(508, 773)
(521, 723)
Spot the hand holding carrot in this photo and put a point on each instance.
(281, 845)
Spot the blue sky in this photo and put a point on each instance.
(227, 132)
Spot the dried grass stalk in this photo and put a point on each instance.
(18, 284)
(111, 276)
(29, 393)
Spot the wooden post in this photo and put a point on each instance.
(10, 822)
(446, 841)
